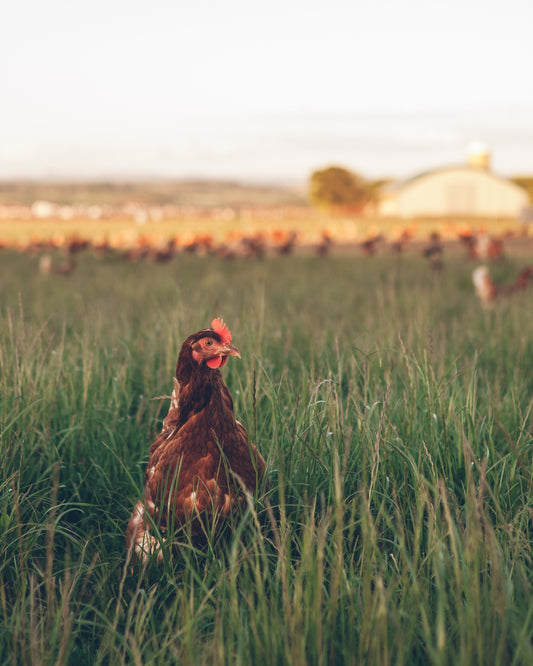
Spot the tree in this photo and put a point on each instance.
(335, 187)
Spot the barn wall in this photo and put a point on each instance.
(467, 192)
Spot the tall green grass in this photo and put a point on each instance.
(396, 416)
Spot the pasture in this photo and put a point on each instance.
(396, 417)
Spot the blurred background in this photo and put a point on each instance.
(239, 104)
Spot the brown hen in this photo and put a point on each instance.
(201, 465)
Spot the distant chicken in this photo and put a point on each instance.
(47, 267)
(488, 291)
(323, 248)
(433, 252)
(201, 465)
(370, 245)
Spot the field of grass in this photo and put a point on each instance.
(396, 417)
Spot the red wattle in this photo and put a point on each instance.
(216, 362)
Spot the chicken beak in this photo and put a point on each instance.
(230, 350)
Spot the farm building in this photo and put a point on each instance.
(470, 190)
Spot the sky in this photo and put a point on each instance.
(262, 91)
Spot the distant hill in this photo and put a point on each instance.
(198, 193)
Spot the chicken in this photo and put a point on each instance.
(46, 266)
(488, 291)
(433, 252)
(323, 248)
(370, 244)
(201, 465)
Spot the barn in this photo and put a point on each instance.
(469, 190)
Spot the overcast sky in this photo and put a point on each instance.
(262, 90)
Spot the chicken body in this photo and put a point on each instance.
(201, 464)
(488, 291)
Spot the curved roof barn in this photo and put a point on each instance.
(470, 190)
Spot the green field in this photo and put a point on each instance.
(396, 416)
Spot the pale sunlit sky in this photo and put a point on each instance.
(262, 91)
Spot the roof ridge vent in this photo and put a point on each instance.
(478, 155)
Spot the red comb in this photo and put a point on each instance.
(220, 327)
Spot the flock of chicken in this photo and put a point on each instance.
(274, 241)
(136, 247)
(477, 246)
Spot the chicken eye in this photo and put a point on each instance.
(208, 343)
